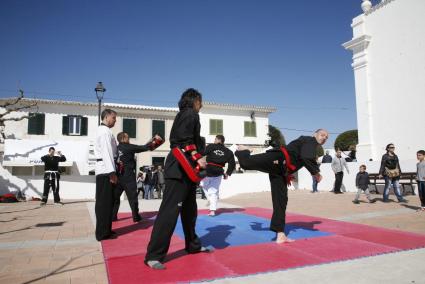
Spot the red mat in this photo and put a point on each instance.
(124, 256)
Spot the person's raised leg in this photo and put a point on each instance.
(269, 162)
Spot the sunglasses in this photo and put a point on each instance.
(391, 147)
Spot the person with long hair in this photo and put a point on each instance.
(179, 196)
(390, 170)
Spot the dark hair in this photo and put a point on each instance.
(188, 98)
(221, 138)
(51, 148)
(107, 112)
(388, 146)
(120, 136)
(363, 166)
(422, 152)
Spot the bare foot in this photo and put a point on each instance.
(282, 238)
(243, 148)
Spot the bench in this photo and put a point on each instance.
(405, 179)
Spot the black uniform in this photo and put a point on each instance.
(127, 178)
(302, 152)
(217, 156)
(51, 176)
(179, 194)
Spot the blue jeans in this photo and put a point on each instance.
(396, 186)
(148, 189)
(421, 191)
(315, 184)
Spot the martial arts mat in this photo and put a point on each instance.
(244, 245)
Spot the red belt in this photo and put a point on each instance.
(217, 165)
(289, 165)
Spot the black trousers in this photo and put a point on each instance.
(179, 198)
(130, 188)
(338, 181)
(51, 183)
(103, 206)
(271, 163)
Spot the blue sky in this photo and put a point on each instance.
(286, 54)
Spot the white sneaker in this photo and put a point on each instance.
(58, 203)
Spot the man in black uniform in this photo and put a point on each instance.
(180, 192)
(217, 157)
(127, 174)
(52, 175)
(280, 163)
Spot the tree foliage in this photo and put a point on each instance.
(346, 140)
(276, 135)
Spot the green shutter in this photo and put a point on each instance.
(84, 126)
(250, 129)
(36, 123)
(65, 125)
(216, 126)
(158, 127)
(129, 126)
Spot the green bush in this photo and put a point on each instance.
(346, 140)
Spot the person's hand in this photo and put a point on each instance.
(59, 153)
(226, 176)
(318, 177)
(157, 137)
(202, 162)
(380, 176)
(113, 178)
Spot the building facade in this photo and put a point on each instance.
(71, 127)
(389, 69)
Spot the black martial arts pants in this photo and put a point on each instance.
(130, 188)
(51, 183)
(271, 163)
(103, 206)
(338, 181)
(179, 198)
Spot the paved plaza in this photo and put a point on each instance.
(55, 244)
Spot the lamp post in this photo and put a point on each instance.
(100, 90)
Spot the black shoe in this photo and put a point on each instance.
(137, 219)
(114, 233)
(202, 249)
(403, 201)
(338, 192)
(372, 201)
(356, 202)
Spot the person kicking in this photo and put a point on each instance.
(280, 162)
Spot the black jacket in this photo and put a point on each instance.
(185, 131)
(362, 180)
(151, 178)
(390, 162)
(327, 159)
(220, 155)
(51, 163)
(126, 154)
(303, 153)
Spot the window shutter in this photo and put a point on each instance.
(36, 123)
(220, 127)
(158, 127)
(65, 125)
(32, 123)
(246, 128)
(84, 126)
(129, 126)
(41, 120)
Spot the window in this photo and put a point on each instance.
(216, 126)
(36, 123)
(250, 129)
(158, 161)
(74, 125)
(129, 126)
(158, 127)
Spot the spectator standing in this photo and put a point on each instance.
(338, 165)
(390, 170)
(327, 158)
(161, 181)
(420, 175)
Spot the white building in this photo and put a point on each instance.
(71, 127)
(389, 68)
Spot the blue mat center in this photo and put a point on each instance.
(236, 229)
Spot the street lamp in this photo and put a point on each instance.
(100, 90)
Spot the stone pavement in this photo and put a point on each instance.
(55, 244)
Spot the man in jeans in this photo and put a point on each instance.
(161, 181)
(338, 164)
